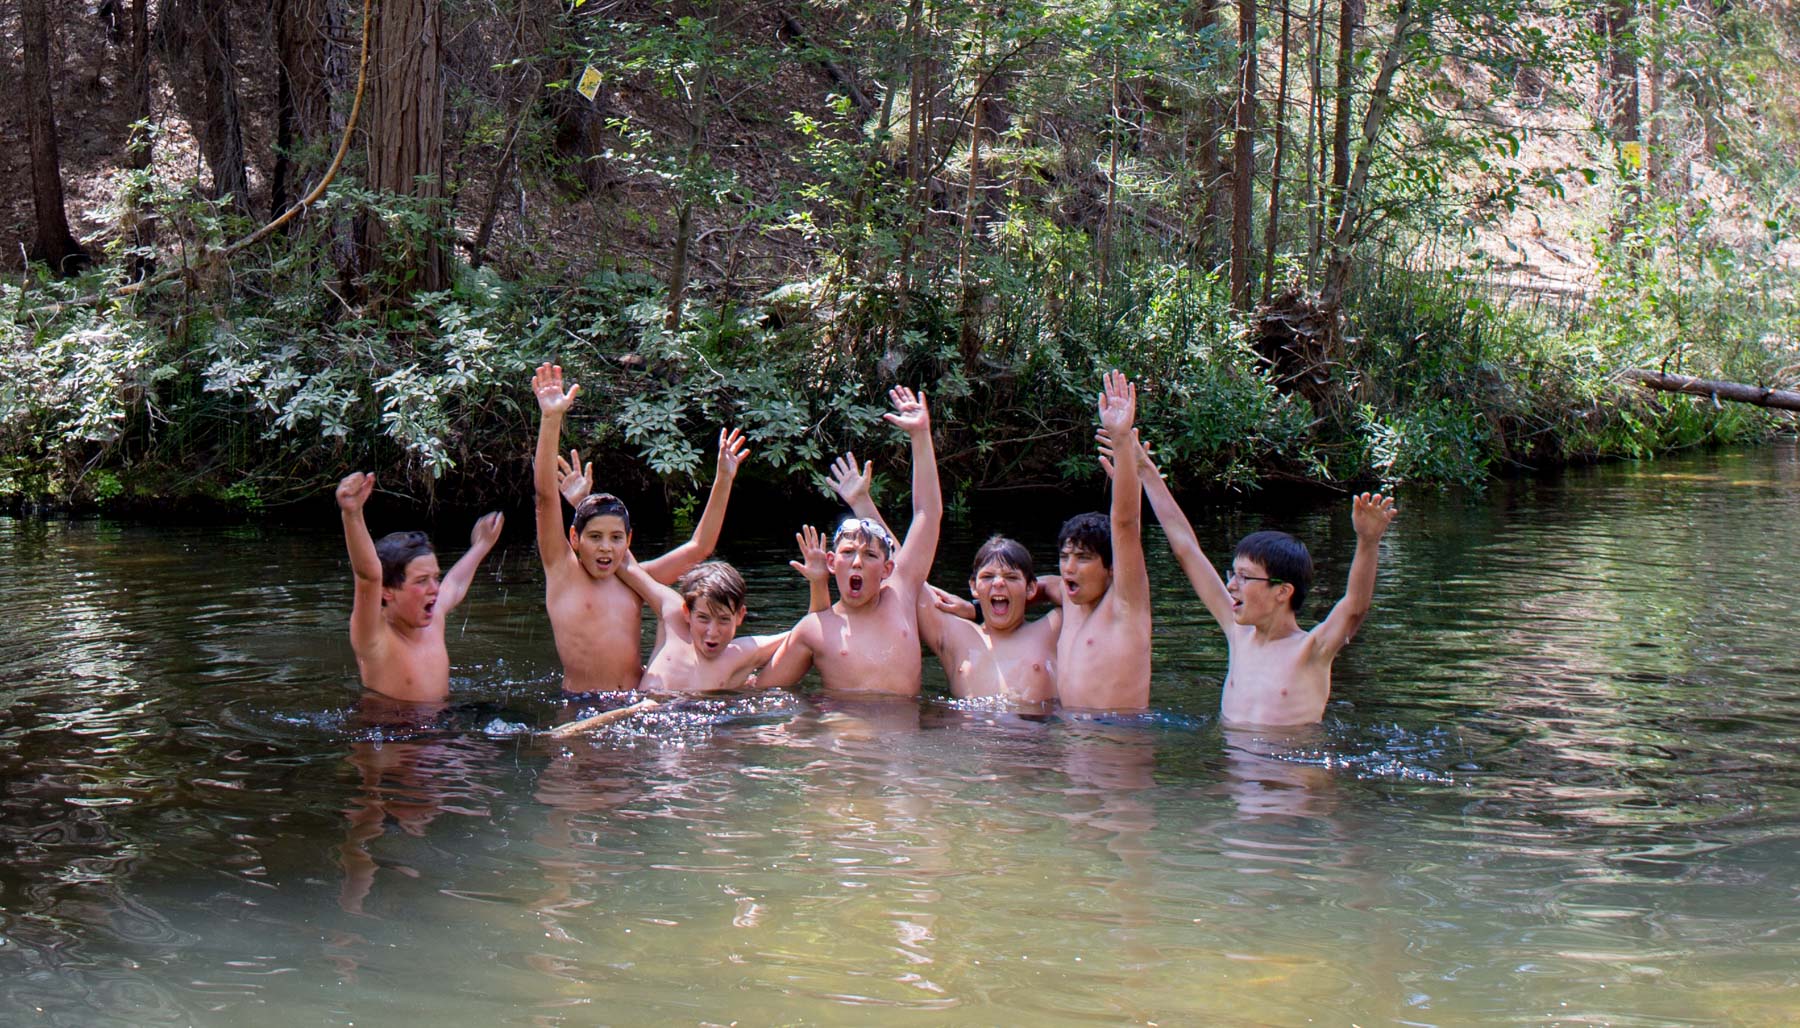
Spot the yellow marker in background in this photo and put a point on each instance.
(1631, 150)
(590, 83)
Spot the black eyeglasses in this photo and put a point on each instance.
(1253, 578)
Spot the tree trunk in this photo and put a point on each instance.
(1210, 164)
(1270, 233)
(1114, 117)
(1616, 22)
(53, 243)
(222, 132)
(406, 139)
(1337, 268)
(1315, 138)
(1243, 157)
(1350, 16)
(308, 67)
(138, 150)
(1778, 399)
(918, 123)
(969, 339)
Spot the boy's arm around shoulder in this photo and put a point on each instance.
(1371, 515)
(365, 609)
(664, 602)
(678, 561)
(793, 655)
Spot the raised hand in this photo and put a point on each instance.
(547, 384)
(812, 552)
(910, 413)
(847, 482)
(574, 480)
(1372, 513)
(354, 491)
(1104, 442)
(487, 530)
(1118, 404)
(732, 452)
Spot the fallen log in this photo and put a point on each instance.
(563, 731)
(1779, 399)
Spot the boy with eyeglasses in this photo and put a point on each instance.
(1279, 674)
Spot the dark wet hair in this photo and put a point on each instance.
(601, 505)
(1005, 552)
(398, 549)
(1088, 532)
(1283, 557)
(715, 581)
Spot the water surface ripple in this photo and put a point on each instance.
(1559, 782)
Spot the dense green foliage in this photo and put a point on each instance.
(1015, 199)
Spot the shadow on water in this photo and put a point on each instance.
(1559, 780)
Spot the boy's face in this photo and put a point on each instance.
(712, 626)
(859, 563)
(602, 544)
(1002, 592)
(1085, 577)
(1254, 599)
(413, 601)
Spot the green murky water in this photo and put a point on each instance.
(1559, 782)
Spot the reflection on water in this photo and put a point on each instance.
(1559, 782)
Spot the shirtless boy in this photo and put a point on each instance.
(697, 647)
(868, 641)
(1278, 673)
(1003, 654)
(1103, 652)
(397, 618)
(596, 618)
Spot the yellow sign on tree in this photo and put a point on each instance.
(590, 82)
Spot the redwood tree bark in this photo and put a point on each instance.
(222, 134)
(406, 137)
(53, 243)
(1243, 157)
(306, 74)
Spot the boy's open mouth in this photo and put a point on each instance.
(1071, 586)
(1000, 605)
(856, 584)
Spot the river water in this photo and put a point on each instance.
(1559, 782)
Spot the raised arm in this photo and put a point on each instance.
(675, 563)
(1180, 533)
(553, 403)
(365, 609)
(1118, 420)
(812, 567)
(1371, 514)
(482, 538)
(852, 487)
(574, 480)
(912, 416)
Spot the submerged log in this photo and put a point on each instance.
(1779, 399)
